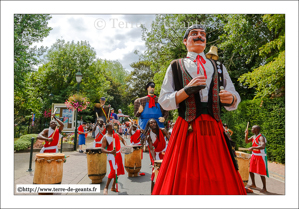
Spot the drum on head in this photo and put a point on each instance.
(96, 164)
(133, 161)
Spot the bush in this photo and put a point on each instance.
(269, 114)
(24, 142)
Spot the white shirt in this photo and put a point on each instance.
(167, 94)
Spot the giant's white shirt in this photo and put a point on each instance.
(167, 94)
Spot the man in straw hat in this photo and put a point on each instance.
(51, 136)
(199, 158)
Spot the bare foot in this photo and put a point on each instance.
(251, 186)
(264, 191)
(105, 191)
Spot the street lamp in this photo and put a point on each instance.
(78, 79)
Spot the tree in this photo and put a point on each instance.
(243, 35)
(57, 74)
(137, 79)
(269, 78)
(28, 29)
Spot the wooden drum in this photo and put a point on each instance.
(157, 168)
(48, 168)
(133, 161)
(243, 163)
(96, 164)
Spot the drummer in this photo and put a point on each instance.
(114, 158)
(135, 132)
(156, 143)
(100, 131)
(51, 136)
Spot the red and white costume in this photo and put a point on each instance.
(159, 145)
(51, 147)
(198, 162)
(135, 135)
(258, 161)
(115, 162)
(99, 132)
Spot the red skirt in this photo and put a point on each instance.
(198, 162)
(120, 166)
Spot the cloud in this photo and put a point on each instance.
(77, 24)
(111, 43)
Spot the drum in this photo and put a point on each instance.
(157, 168)
(243, 163)
(96, 164)
(133, 161)
(48, 169)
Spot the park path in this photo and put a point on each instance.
(75, 172)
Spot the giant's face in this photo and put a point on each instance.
(153, 124)
(196, 41)
(102, 102)
(151, 89)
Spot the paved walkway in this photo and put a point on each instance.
(75, 172)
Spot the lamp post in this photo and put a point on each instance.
(78, 79)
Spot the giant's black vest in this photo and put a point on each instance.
(191, 108)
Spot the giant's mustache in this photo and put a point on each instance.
(199, 39)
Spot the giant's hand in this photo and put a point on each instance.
(226, 97)
(140, 110)
(195, 85)
(161, 119)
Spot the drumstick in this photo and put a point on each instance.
(54, 113)
(97, 115)
(247, 126)
(246, 149)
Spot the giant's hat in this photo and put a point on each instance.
(149, 83)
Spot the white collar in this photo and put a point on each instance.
(193, 55)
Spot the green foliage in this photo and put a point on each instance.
(57, 74)
(28, 29)
(137, 80)
(269, 78)
(24, 142)
(269, 114)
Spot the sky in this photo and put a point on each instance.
(113, 37)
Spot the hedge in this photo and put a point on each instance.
(24, 142)
(269, 114)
